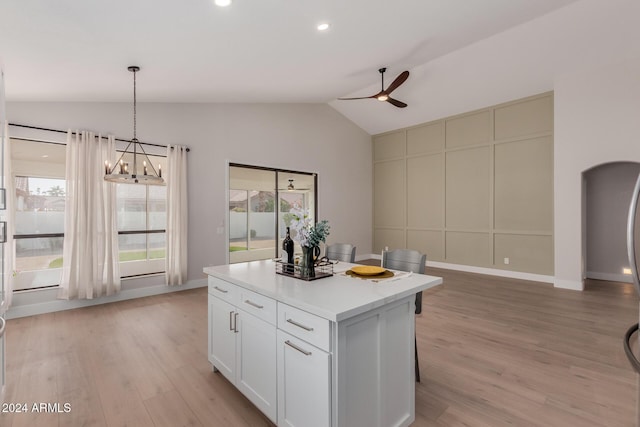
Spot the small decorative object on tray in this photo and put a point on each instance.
(322, 268)
(287, 246)
(309, 235)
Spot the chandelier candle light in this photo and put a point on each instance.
(123, 176)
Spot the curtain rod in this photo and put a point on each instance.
(42, 141)
(64, 131)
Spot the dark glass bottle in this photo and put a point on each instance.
(287, 246)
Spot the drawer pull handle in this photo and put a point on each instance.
(253, 304)
(224, 291)
(292, 345)
(235, 322)
(293, 322)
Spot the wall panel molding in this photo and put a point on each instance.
(478, 188)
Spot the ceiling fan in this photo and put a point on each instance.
(292, 187)
(383, 95)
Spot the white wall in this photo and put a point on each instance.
(597, 120)
(305, 137)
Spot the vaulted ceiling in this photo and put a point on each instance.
(266, 51)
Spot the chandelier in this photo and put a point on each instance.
(124, 173)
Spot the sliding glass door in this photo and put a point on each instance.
(295, 190)
(252, 214)
(260, 200)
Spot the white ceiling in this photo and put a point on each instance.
(266, 51)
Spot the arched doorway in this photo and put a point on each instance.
(607, 190)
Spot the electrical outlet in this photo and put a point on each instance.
(506, 261)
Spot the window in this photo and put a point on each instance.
(254, 215)
(39, 171)
(252, 218)
(289, 200)
(141, 226)
(39, 222)
(238, 220)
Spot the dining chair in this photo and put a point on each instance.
(342, 252)
(407, 260)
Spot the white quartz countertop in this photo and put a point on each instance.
(334, 298)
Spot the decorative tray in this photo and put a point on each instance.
(322, 269)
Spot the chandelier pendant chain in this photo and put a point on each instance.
(134, 106)
(135, 110)
(149, 174)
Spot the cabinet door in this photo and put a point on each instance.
(304, 383)
(222, 337)
(256, 362)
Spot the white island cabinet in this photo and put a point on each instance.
(336, 351)
(242, 342)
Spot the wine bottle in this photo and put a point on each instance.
(287, 246)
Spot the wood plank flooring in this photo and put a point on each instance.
(493, 352)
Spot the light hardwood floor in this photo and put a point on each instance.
(493, 352)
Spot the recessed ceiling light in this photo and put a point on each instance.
(222, 3)
(323, 27)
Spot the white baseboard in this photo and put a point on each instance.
(481, 270)
(575, 285)
(610, 277)
(16, 311)
(492, 272)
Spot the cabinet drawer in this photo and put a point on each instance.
(224, 290)
(306, 326)
(260, 306)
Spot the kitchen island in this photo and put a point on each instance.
(337, 351)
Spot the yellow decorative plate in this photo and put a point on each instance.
(368, 270)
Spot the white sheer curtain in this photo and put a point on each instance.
(90, 266)
(8, 215)
(176, 258)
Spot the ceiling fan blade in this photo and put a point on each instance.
(397, 82)
(397, 103)
(362, 97)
